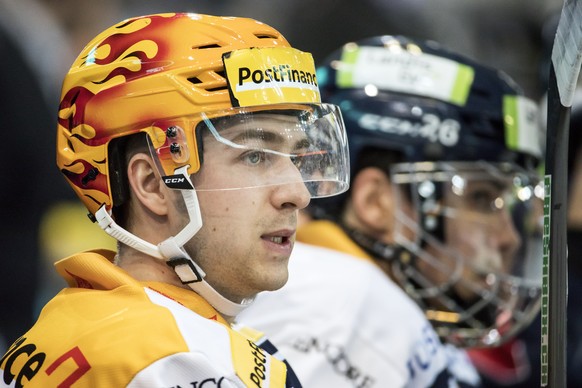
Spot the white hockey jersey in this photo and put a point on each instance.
(341, 322)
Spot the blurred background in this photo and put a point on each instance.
(40, 219)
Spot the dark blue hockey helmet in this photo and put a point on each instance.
(429, 104)
(465, 143)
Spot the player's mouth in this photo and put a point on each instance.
(281, 241)
(278, 240)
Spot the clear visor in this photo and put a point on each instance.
(244, 148)
(475, 231)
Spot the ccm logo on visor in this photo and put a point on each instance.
(177, 182)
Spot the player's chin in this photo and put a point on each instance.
(276, 276)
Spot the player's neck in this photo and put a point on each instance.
(146, 268)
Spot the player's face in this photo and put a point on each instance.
(481, 232)
(478, 226)
(248, 233)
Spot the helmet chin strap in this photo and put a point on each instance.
(172, 249)
(374, 247)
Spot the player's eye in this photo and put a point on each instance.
(485, 201)
(254, 157)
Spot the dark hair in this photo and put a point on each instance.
(575, 140)
(121, 150)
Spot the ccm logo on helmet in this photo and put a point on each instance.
(429, 126)
(177, 182)
(281, 73)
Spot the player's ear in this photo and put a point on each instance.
(146, 186)
(372, 199)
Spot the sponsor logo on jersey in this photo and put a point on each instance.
(206, 383)
(258, 375)
(337, 358)
(260, 76)
(23, 361)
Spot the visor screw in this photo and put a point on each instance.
(171, 131)
(175, 148)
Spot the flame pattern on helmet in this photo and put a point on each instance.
(139, 76)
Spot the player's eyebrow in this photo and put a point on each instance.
(270, 138)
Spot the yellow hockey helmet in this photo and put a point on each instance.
(161, 73)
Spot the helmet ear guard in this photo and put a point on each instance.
(174, 149)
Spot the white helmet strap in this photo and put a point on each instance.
(172, 252)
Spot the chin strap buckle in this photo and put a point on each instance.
(186, 269)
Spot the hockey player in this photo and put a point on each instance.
(193, 140)
(443, 154)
